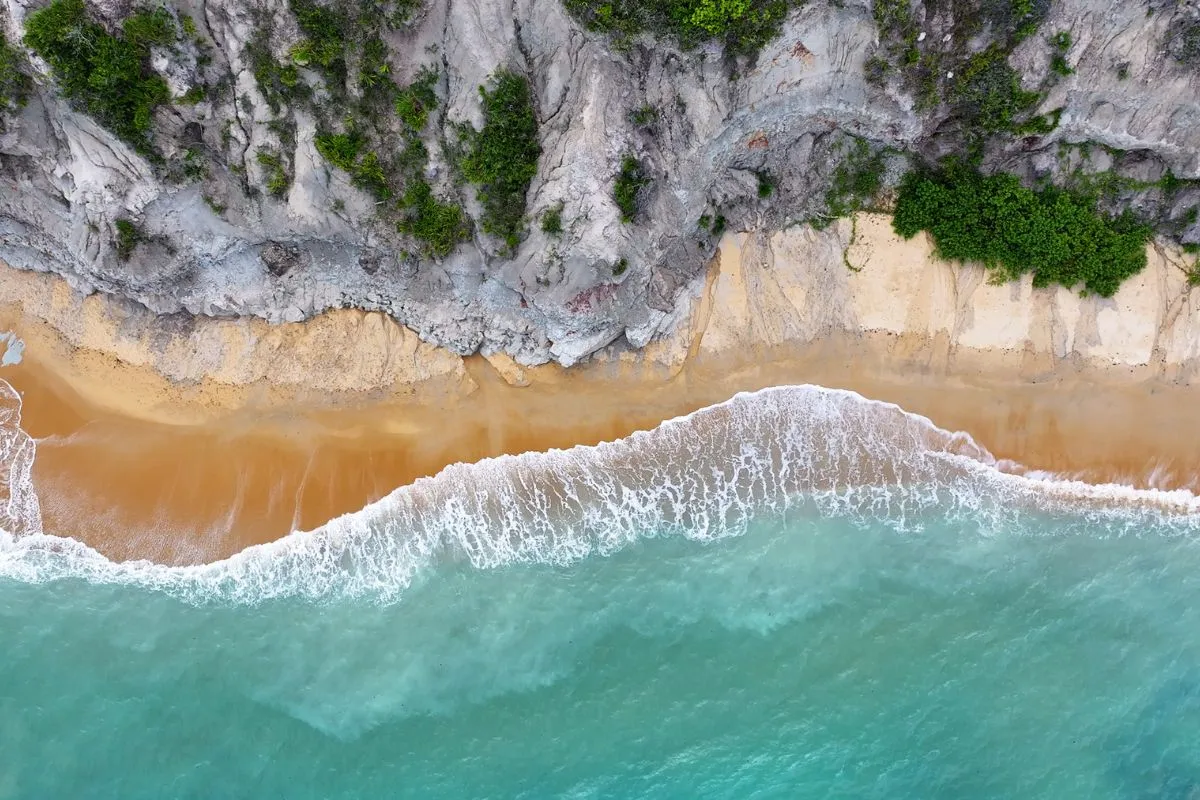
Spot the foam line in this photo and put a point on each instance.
(704, 476)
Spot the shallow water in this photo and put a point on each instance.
(797, 593)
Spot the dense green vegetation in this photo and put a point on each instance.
(109, 76)
(502, 157)
(1055, 234)
(14, 83)
(629, 183)
(743, 26)
(128, 238)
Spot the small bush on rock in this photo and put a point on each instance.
(630, 182)
(502, 157)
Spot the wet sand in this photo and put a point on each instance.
(191, 493)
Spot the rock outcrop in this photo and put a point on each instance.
(214, 244)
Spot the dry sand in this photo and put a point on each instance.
(149, 452)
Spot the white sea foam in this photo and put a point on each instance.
(703, 476)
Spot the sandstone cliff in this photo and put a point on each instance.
(1124, 103)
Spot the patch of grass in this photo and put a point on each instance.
(279, 83)
(129, 236)
(742, 26)
(348, 152)
(438, 226)
(988, 92)
(1058, 62)
(552, 220)
(217, 208)
(14, 83)
(620, 267)
(326, 32)
(108, 76)
(415, 102)
(1056, 235)
(277, 179)
(855, 183)
(718, 226)
(766, 184)
(192, 96)
(644, 116)
(374, 71)
(629, 183)
(501, 159)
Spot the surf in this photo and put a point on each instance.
(703, 477)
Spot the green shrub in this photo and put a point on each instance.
(326, 32)
(1055, 234)
(278, 180)
(502, 157)
(109, 76)
(415, 101)
(988, 91)
(347, 152)
(128, 238)
(552, 220)
(14, 83)
(439, 226)
(620, 267)
(374, 72)
(645, 116)
(742, 26)
(766, 184)
(629, 183)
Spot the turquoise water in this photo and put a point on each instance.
(799, 593)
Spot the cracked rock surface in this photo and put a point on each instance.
(213, 246)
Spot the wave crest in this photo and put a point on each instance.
(703, 476)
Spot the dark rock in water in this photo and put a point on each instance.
(280, 258)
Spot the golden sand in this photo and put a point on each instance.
(146, 452)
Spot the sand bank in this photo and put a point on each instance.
(186, 440)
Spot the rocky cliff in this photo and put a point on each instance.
(232, 207)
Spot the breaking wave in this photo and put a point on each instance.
(704, 476)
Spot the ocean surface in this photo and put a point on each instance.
(798, 593)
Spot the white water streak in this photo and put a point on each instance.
(703, 476)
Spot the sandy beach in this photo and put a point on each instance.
(187, 444)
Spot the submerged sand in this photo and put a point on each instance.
(187, 441)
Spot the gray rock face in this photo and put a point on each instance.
(216, 247)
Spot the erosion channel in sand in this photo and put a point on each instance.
(185, 440)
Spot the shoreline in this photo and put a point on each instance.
(260, 432)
